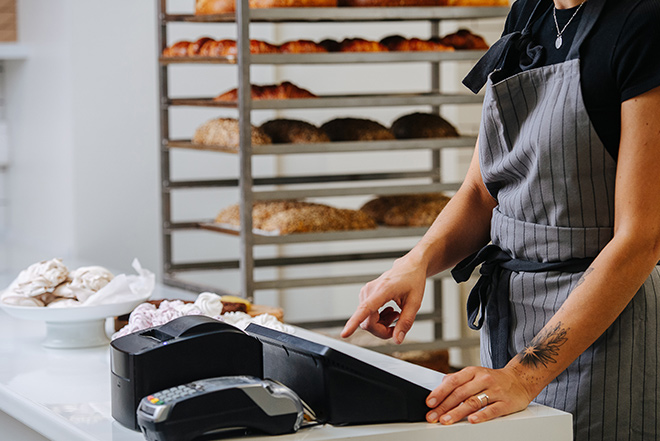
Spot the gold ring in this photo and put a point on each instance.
(483, 399)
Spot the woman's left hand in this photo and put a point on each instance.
(478, 393)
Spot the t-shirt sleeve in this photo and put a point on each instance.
(637, 55)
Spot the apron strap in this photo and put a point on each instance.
(489, 298)
(516, 44)
(592, 11)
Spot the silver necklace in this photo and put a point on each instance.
(559, 41)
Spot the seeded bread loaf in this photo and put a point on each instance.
(224, 132)
(288, 217)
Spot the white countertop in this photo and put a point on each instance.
(64, 394)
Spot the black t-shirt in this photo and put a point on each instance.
(619, 59)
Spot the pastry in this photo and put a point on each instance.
(281, 91)
(178, 49)
(234, 304)
(39, 278)
(422, 125)
(195, 47)
(356, 129)
(330, 45)
(301, 47)
(391, 41)
(225, 48)
(293, 131)
(85, 281)
(225, 132)
(463, 39)
(209, 7)
(414, 45)
(406, 210)
(361, 45)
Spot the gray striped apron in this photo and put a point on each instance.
(554, 184)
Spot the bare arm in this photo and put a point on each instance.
(604, 291)
(461, 228)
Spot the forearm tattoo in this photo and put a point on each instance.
(544, 348)
(586, 273)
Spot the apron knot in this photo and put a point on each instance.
(489, 298)
(515, 48)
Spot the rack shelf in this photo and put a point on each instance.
(340, 101)
(339, 146)
(349, 14)
(335, 58)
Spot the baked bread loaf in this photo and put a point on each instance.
(361, 45)
(399, 43)
(463, 39)
(281, 91)
(422, 125)
(210, 7)
(293, 131)
(390, 3)
(356, 129)
(301, 47)
(225, 132)
(288, 217)
(416, 210)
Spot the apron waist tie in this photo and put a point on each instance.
(490, 296)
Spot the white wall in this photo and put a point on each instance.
(83, 112)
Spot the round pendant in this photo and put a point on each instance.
(558, 42)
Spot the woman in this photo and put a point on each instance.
(564, 185)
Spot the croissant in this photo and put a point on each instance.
(269, 92)
(301, 46)
(418, 45)
(361, 45)
(178, 49)
(196, 46)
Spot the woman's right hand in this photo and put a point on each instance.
(404, 284)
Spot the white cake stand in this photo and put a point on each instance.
(75, 326)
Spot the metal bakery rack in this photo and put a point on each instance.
(249, 186)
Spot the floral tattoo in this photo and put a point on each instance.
(544, 348)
